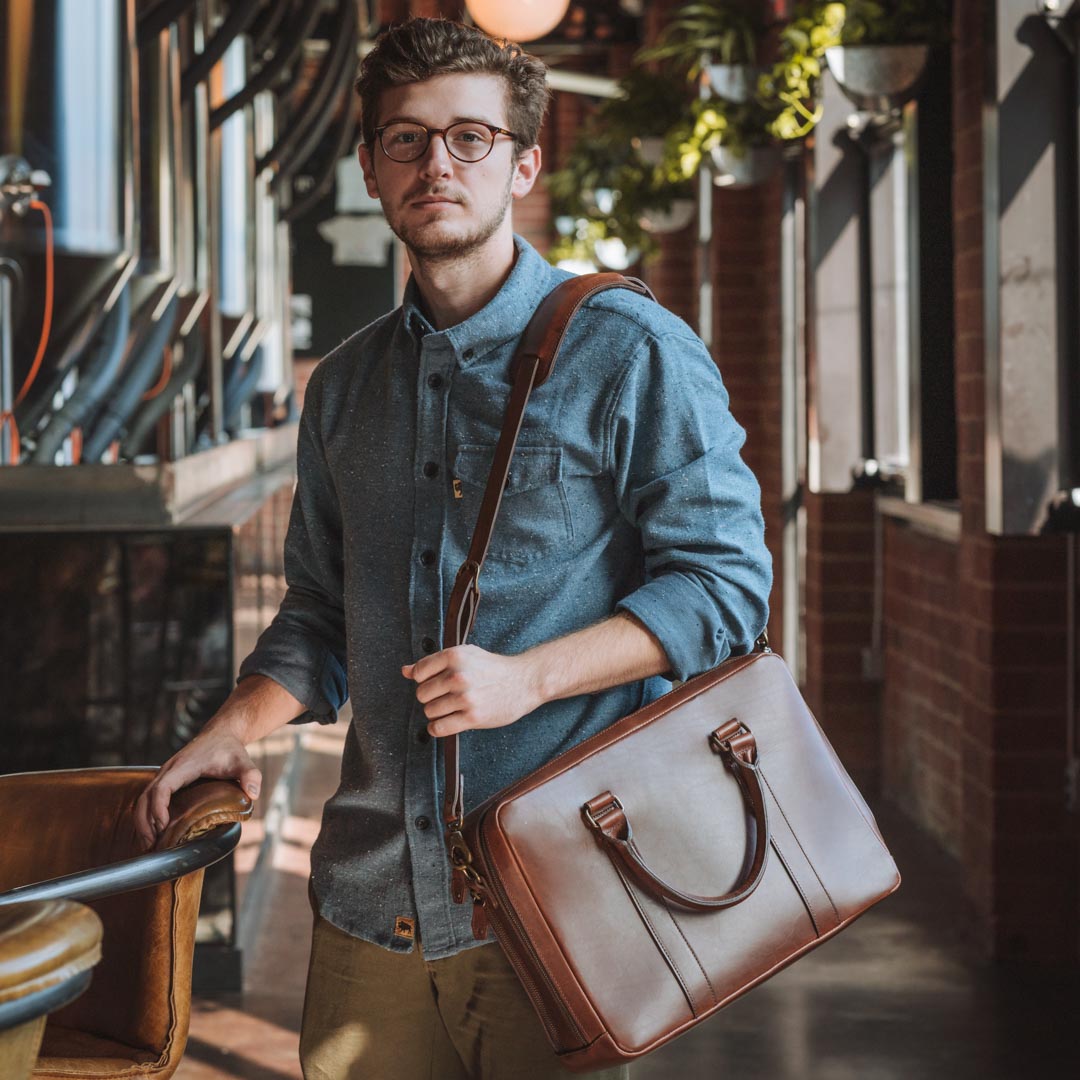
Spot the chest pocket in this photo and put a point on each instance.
(534, 518)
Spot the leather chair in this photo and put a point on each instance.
(71, 834)
(47, 954)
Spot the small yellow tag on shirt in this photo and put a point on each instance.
(405, 928)
(458, 493)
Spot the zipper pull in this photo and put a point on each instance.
(479, 920)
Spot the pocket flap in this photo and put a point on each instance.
(530, 467)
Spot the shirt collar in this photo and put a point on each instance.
(504, 317)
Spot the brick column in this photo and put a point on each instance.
(746, 342)
(1018, 844)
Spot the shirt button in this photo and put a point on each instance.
(468, 354)
(428, 645)
(422, 823)
(434, 381)
(427, 558)
(431, 470)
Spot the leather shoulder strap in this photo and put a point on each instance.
(532, 364)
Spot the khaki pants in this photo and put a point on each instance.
(372, 1014)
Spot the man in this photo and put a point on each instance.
(629, 547)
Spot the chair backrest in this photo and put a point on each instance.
(67, 821)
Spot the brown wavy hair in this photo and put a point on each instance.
(419, 49)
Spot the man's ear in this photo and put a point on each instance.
(368, 165)
(526, 171)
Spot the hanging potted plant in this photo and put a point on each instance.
(741, 136)
(734, 141)
(743, 143)
(883, 50)
(611, 194)
(718, 40)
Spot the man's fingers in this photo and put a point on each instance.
(251, 781)
(454, 724)
(143, 829)
(170, 779)
(443, 706)
(427, 666)
(446, 682)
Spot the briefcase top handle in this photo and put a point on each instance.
(532, 363)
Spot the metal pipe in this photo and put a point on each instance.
(137, 377)
(313, 104)
(152, 22)
(240, 18)
(97, 311)
(101, 369)
(294, 34)
(346, 132)
(263, 34)
(311, 138)
(244, 390)
(154, 409)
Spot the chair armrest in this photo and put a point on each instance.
(202, 806)
(127, 875)
(204, 826)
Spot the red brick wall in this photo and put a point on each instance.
(923, 743)
(672, 273)
(839, 626)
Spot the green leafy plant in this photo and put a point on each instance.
(784, 106)
(727, 30)
(605, 159)
(792, 83)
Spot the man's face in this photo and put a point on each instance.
(439, 206)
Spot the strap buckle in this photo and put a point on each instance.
(734, 742)
(596, 808)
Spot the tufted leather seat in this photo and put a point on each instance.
(47, 952)
(134, 1019)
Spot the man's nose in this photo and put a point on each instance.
(436, 160)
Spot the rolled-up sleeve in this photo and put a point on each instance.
(303, 649)
(674, 454)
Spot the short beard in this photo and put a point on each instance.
(454, 248)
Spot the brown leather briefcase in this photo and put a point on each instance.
(652, 874)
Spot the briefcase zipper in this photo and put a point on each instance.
(511, 941)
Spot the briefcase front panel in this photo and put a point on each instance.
(644, 968)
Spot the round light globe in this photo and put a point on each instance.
(517, 20)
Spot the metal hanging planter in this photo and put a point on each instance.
(736, 83)
(744, 167)
(878, 78)
(676, 217)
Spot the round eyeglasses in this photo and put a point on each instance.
(469, 140)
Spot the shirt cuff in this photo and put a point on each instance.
(309, 671)
(671, 607)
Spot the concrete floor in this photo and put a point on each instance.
(897, 996)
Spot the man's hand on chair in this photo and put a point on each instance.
(257, 706)
(215, 753)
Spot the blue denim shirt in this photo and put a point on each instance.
(627, 492)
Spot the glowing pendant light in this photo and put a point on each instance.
(517, 20)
